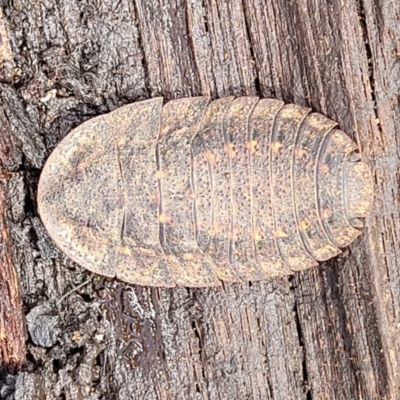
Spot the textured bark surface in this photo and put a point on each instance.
(12, 328)
(326, 333)
(12, 324)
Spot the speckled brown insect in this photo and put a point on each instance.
(198, 191)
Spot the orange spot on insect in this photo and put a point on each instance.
(126, 250)
(211, 157)
(252, 146)
(188, 256)
(326, 213)
(325, 169)
(257, 236)
(300, 152)
(82, 165)
(276, 147)
(217, 228)
(326, 252)
(280, 233)
(160, 174)
(165, 218)
(304, 224)
(230, 149)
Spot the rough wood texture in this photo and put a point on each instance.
(12, 328)
(328, 333)
(12, 333)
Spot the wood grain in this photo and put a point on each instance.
(12, 322)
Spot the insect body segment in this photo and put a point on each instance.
(198, 191)
(287, 234)
(140, 252)
(311, 134)
(181, 121)
(208, 149)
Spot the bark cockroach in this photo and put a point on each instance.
(198, 191)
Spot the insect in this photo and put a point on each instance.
(197, 191)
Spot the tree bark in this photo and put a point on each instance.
(327, 333)
(12, 327)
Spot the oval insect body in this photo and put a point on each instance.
(198, 191)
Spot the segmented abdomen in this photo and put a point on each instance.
(232, 189)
